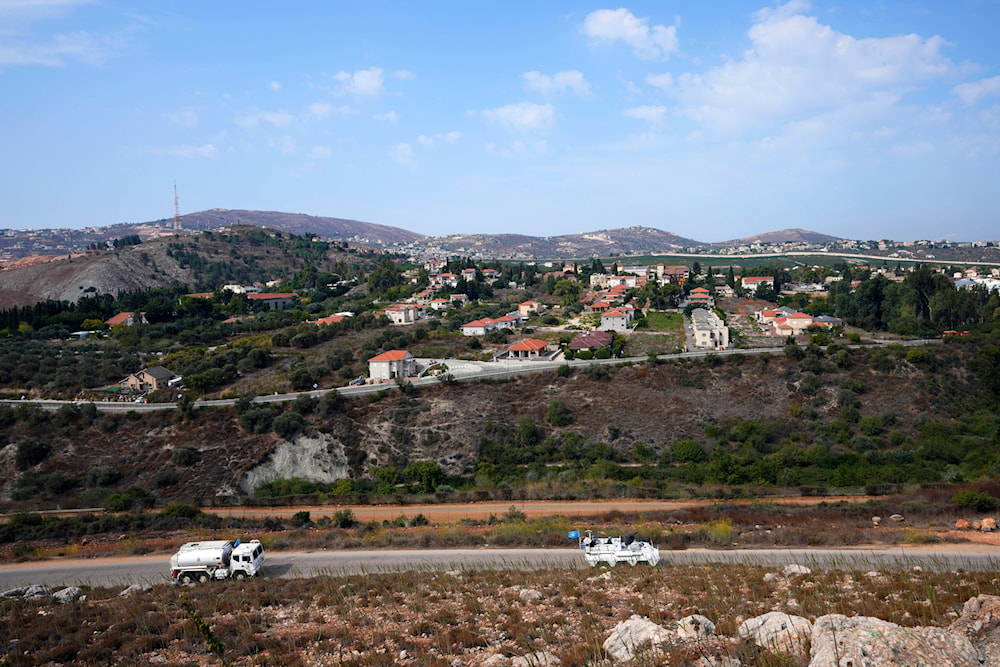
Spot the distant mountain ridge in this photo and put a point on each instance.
(781, 236)
(634, 240)
(601, 243)
(300, 223)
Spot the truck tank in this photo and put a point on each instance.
(214, 553)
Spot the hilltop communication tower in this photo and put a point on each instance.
(177, 209)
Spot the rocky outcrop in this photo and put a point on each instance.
(863, 641)
(317, 458)
(635, 636)
(980, 624)
(779, 632)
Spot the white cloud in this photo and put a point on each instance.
(58, 50)
(320, 110)
(183, 118)
(208, 151)
(403, 154)
(404, 75)
(275, 86)
(389, 117)
(609, 26)
(321, 152)
(972, 92)
(663, 81)
(522, 117)
(440, 137)
(797, 67)
(284, 145)
(652, 114)
(557, 84)
(29, 11)
(275, 118)
(364, 82)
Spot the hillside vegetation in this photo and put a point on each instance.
(872, 418)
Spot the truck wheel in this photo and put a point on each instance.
(185, 578)
(203, 577)
(240, 576)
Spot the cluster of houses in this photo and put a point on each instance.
(789, 322)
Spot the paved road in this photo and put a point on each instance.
(154, 569)
(464, 371)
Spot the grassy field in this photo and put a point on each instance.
(434, 618)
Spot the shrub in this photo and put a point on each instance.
(31, 452)
(973, 499)
(288, 424)
(559, 414)
(564, 371)
(688, 451)
(185, 456)
(597, 372)
(101, 476)
(301, 519)
(165, 478)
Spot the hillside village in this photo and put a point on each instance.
(547, 311)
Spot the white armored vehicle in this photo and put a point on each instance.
(217, 559)
(613, 550)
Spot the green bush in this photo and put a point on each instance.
(31, 452)
(101, 476)
(559, 414)
(688, 451)
(288, 424)
(973, 499)
(185, 456)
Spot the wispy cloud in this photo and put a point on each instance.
(389, 117)
(441, 137)
(23, 45)
(557, 84)
(610, 26)
(363, 82)
(522, 117)
(652, 114)
(970, 93)
(275, 86)
(256, 117)
(404, 75)
(403, 154)
(189, 152)
(183, 118)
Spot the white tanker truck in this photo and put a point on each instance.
(217, 559)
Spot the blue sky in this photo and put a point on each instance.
(863, 119)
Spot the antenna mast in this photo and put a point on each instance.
(177, 209)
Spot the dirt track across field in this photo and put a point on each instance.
(449, 513)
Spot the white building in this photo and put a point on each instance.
(392, 365)
(710, 332)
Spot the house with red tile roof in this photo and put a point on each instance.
(793, 325)
(406, 313)
(478, 327)
(330, 319)
(592, 340)
(127, 320)
(751, 283)
(529, 348)
(525, 308)
(392, 365)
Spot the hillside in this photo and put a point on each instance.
(199, 261)
(882, 417)
(602, 243)
(300, 223)
(782, 236)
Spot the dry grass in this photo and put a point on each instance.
(433, 617)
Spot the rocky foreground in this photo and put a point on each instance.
(638, 616)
